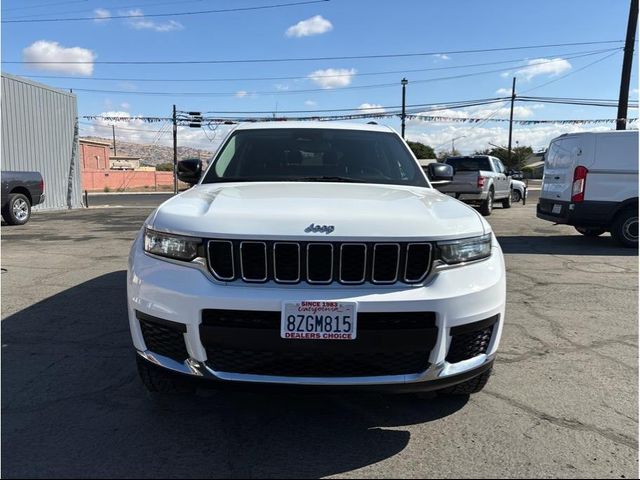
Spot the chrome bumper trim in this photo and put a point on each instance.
(434, 372)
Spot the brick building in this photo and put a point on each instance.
(103, 172)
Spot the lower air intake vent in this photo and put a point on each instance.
(163, 337)
(468, 341)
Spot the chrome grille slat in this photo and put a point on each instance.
(359, 279)
(319, 263)
(282, 257)
(311, 246)
(253, 263)
(428, 262)
(211, 247)
(375, 275)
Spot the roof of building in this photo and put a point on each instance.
(123, 157)
(94, 142)
(16, 78)
(535, 165)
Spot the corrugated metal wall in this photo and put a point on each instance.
(39, 133)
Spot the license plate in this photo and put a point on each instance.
(556, 208)
(318, 320)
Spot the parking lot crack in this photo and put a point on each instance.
(568, 423)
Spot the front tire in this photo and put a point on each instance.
(625, 228)
(516, 196)
(17, 211)
(469, 387)
(590, 232)
(158, 380)
(486, 207)
(506, 203)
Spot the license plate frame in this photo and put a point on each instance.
(319, 320)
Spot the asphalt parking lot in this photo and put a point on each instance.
(563, 401)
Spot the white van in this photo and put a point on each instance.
(591, 182)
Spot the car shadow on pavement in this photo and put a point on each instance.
(73, 407)
(564, 245)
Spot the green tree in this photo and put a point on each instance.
(420, 150)
(164, 167)
(444, 154)
(518, 156)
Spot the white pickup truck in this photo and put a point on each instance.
(316, 255)
(479, 180)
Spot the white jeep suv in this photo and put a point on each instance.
(315, 254)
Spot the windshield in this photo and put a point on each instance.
(331, 155)
(469, 164)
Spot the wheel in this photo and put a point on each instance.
(590, 231)
(469, 387)
(624, 228)
(487, 205)
(158, 380)
(506, 203)
(17, 211)
(516, 196)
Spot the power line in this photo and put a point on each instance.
(412, 108)
(313, 59)
(307, 90)
(120, 7)
(572, 72)
(173, 14)
(574, 101)
(567, 56)
(41, 5)
(388, 110)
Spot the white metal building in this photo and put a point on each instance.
(40, 133)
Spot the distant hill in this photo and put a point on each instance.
(155, 154)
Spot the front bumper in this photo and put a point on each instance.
(458, 296)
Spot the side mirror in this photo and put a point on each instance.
(190, 170)
(440, 173)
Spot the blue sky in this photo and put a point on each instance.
(334, 28)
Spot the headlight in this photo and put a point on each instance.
(171, 246)
(465, 250)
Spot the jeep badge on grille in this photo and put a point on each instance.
(313, 228)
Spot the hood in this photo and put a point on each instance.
(284, 210)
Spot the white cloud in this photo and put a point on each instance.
(478, 136)
(140, 22)
(101, 15)
(312, 26)
(442, 56)
(371, 108)
(634, 91)
(129, 86)
(241, 93)
(46, 51)
(333, 77)
(311, 103)
(504, 92)
(519, 113)
(125, 106)
(544, 66)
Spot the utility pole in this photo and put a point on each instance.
(625, 80)
(404, 103)
(513, 100)
(113, 130)
(175, 152)
(453, 145)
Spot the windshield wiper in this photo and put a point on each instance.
(328, 178)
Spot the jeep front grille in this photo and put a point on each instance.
(349, 263)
